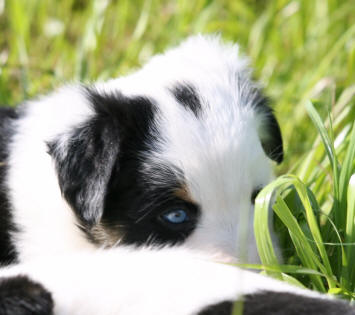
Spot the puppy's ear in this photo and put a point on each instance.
(84, 159)
(89, 155)
(269, 130)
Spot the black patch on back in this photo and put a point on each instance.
(282, 303)
(187, 96)
(222, 308)
(104, 158)
(7, 250)
(21, 296)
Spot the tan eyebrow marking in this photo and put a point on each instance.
(184, 194)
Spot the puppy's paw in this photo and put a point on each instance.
(21, 296)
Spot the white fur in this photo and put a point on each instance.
(45, 221)
(220, 152)
(151, 282)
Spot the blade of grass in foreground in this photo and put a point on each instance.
(294, 269)
(346, 194)
(313, 224)
(300, 241)
(303, 248)
(347, 169)
(261, 225)
(350, 232)
(329, 147)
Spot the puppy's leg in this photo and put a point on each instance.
(21, 296)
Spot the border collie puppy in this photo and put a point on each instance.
(151, 282)
(171, 154)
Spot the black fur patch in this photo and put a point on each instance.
(222, 308)
(134, 205)
(104, 158)
(187, 96)
(7, 251)
(84, 163)
(272, 143)
(271, 139)
(282, 303)
(21, 296)
(270, 133)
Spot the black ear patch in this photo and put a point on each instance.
(84, 166)
(86, 156)
(269, 133)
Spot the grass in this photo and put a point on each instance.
(301, 50)
(317, 211)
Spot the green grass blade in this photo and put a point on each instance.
(293, 269)
(347, 169)
(313, 225)
(261, 225)
(300, 241)
(317, 121)
(329, 147)
(350, 231)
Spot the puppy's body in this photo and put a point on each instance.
(171, 281)
(171, 154)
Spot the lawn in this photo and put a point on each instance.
(302, 51)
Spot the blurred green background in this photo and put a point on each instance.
(299, 49)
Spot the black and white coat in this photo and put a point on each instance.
(170, 155)
(145, 281)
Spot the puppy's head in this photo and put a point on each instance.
(172, 154)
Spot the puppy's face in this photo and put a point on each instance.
(173, 154)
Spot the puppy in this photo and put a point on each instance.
(174, 154)
(150, 281)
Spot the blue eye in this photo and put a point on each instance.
(175, 216)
